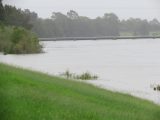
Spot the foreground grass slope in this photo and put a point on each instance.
(26, 95)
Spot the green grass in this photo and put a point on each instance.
(28, 95)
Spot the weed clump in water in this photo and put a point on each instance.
(83, 76)
(87, 76)
(157, 88)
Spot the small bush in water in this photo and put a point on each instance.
(67, 74)
(84, 76)
(157, 88)
(87, 76)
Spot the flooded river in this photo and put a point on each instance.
(129, 66)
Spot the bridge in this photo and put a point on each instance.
(98, 38)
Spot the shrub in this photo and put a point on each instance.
(67, 74)
(87, 76)
(17, 40)
(5, 33)
(157, 88)
(84, 76)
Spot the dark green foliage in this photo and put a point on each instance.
(17, 35)
(2, 13)
(17, 17)
(4, 37)
(16, 40)
(12, 16)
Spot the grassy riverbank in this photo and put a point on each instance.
(27, 95)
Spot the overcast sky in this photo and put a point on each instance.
(145, 9)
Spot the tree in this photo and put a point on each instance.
(61, 24)
(17, 17)
(136, 26)
(2, 13)
(72, 15)
(154, 25)
(111, 22)
(143, 28)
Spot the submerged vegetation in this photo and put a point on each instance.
(157, 88)
(84, 76)
(17, 40)
(26, 95)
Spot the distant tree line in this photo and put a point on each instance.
(74, 25)
(138, 27)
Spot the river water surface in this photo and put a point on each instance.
(130, 66)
